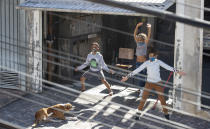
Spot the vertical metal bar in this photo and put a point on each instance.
(2, 28)
(9, 44)
(5, 31)
(26, 42)
(17, 40)
(18, 44)
(13, 27)
(26, 35)
(1, 17)
(16, 37)
(1, 8)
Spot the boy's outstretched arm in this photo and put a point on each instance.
(139, 69)
(83, 65)
(162, 64)
(165, 66)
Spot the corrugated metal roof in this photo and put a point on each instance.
(83, 6)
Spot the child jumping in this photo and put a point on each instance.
(96, 62)
(142, 41)
(153, 80)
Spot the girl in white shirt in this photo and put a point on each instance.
(153, 78)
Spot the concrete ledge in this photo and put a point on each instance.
(6, 99)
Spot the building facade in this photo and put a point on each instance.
(12, 45)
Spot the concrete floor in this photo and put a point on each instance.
(94, 107)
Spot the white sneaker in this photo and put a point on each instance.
(137, 115)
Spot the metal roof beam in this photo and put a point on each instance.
(155, 12)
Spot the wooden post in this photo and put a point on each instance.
(34, 58)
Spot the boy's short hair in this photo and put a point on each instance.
(95, 43)
(153, 50)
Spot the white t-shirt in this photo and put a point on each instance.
(153, 70)
(96, 62)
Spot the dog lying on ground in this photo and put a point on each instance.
(56, 111)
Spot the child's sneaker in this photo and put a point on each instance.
(110, 93)
(137, 116)
(82, 89)
(167, 116)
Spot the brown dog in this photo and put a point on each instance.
(56, 111)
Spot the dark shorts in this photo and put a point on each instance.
(89, 74)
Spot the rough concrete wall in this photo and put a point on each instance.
(188, 57)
